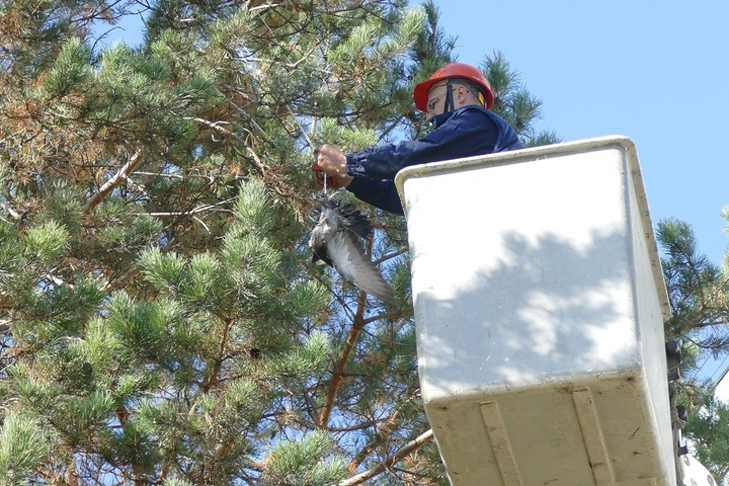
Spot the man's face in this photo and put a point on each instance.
(436, 100)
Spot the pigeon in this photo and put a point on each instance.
(333, 242)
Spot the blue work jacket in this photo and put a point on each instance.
(467, 131)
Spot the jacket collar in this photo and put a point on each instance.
(438, 120)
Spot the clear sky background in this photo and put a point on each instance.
(655, 71)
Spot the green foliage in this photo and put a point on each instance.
(409, 29)
(709, 428)
(70, 70)
(23, 446)
(227, 33)
(241, 401)
(139, 325)
(253, 209)
(307, 298)
(514, 102)
(85, 414)
(311, 357)
(63, 206)
(177, 482)
(433, 48)
(332, 132)
(101, 347)
(204, 273)
(698, 291)
(46, 242)
(305, 462)
(353, 49)
(696, 288)
(162, 271)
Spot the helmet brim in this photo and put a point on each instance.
(420, 93)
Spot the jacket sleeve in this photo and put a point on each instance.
(379, 193)
(465, 133)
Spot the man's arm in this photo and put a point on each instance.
(368, 174)
(467, 132)
(381, 194)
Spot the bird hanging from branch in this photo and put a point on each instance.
(334, 240)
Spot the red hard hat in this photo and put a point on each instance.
(451, 71)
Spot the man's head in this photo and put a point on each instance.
(467, 86)
(463, 93)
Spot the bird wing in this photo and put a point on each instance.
(356, 221)
(355, 268)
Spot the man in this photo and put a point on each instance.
(456, 100)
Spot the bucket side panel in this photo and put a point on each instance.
(589, 433)
(520, 273)
(650, 319)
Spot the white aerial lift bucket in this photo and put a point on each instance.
(539, 307)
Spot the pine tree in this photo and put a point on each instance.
(514, 102)
(708, 427)
(698, 291)
(160, 322)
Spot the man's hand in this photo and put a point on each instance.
(333, 163)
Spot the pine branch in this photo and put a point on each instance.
(119, 280)
(72, 478)
(9, 209)
(375, 318)
(380, 436)
(411, 446)
(343, 359)
(336, 296)
(193, 211)
(213, 377)
(280, 187)
(389, 256)
(210, 178)
(354, 333)
(215, 126)
(136, 187)
(123, 415)
(221, 449)
(109, 185)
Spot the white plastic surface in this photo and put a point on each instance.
(539, 304)
(694, 473)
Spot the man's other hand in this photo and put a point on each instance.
(333, 163)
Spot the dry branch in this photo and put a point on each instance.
(357, 326)
(343, 359)
(411, 446)
(109, 185)
(9, 209)
(381, 435)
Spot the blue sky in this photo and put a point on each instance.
(655, 71)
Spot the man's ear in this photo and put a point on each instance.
(462, 92)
